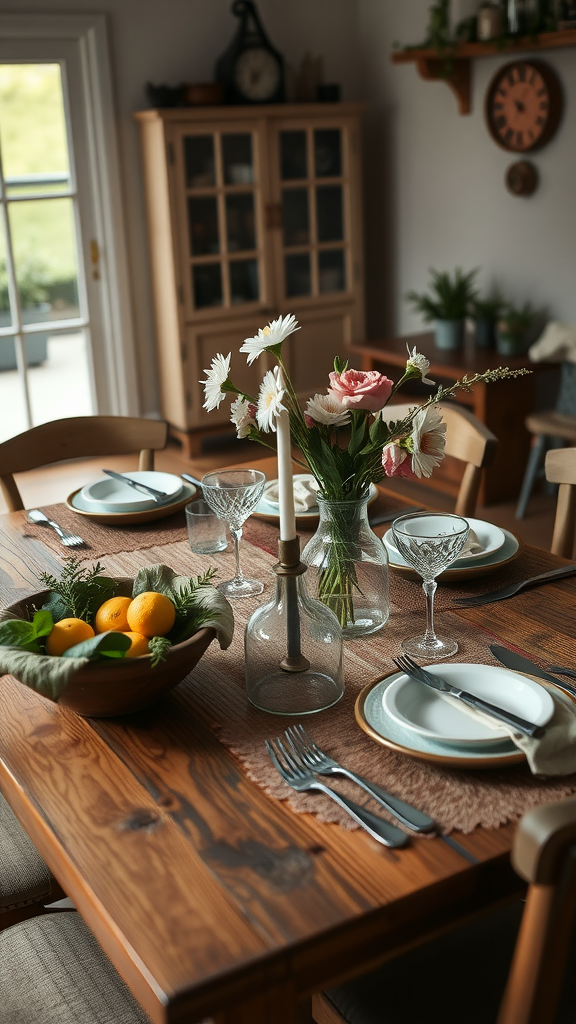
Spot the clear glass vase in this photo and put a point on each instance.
(293, 652)
(348, 567)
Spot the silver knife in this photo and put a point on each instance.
(437, 683)
(143, 488)
(518, 663)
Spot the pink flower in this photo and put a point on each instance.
(397, 462)
(359, 389)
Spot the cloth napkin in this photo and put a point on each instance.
(305, 492)
(472, 545)
(555, 752)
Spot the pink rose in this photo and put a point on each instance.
(397, 462)
(359, 389)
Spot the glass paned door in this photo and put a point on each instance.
(315, 237)
(44, 361)
(225, 247)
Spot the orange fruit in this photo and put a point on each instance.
(139, 645)
(112, 615)
(151, 614)
(66, 634)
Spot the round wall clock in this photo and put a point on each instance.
(524, 104)
(251, 69)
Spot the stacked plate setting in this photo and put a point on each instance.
(498, 546)
(110, 500)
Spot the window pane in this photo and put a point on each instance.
(298, 279)
(331, 274)
(60, 383)
(207, 285)
(44, 244)
(33, 129)
(293, 162)
(327, 152)
(13, 418)
(329, 213)
(241, 231)
(244, 281)
(203, 221)
(199, 161)
(295, 219)
(237, 158)
(5, 315)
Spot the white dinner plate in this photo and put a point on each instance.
(491, 538)
(268, 510)
(380, 727)
(421, 710)
(110, 495)
(509, 551)
(75, 503)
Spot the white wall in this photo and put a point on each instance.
(435, 188)
(179, 40)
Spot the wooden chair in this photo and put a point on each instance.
(26, 884)
(561, 469)
(505, 967)
(76, 438)
(52, 971)
(468, 440)
(552, 426)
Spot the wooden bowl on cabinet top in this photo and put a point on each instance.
(104, 689)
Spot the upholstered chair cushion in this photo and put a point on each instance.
(24, 877)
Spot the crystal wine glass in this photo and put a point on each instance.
(430, 542)
(233, 494)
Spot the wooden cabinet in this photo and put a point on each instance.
(252, 213)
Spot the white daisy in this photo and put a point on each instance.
(243, 416)
(418, 362)
(270, 400)
(428, 439)
(216, 376)
(274, 334)
(328, 410)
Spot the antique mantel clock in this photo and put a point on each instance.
(251, 69)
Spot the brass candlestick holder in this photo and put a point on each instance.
(293, 645)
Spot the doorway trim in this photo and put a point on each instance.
(89, 33)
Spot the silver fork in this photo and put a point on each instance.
(300, 778)
(69, 540)
(321, 764)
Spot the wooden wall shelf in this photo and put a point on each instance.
(453, 65)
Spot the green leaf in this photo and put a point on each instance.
(103, 645)
(17, 633)
(56, 605)
(42, 623)
(159, 578)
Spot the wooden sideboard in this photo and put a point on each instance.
(502, 406)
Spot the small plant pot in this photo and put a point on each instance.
(449, 334)
(510, 343)
(485, 334)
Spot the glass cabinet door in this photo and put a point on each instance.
(315, 237)
(223, 232)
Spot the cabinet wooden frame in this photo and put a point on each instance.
(187, 334)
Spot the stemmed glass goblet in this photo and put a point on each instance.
(232, 495)
(430, 542)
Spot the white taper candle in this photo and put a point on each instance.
(285, 482)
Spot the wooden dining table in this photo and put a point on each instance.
(211, 898)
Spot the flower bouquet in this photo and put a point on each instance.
(347, 443)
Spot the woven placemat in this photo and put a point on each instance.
(457, 800)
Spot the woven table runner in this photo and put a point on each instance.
(457, 800)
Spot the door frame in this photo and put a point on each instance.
(118, 392)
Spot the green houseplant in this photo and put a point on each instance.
(486, 313)
(447, 304)
(512, 329)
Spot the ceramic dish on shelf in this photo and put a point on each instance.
(109, 494)
(75, 503)
(269, 511)
(376, 723)
(427, 712)
(491, 537)
(509, 551)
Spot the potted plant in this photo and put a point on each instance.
(486, 313)
(512, 329)
(447, 305)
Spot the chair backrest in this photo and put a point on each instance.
(75, 438)
(561, 469)
(468, 440)
(566, 401)
(544, 854)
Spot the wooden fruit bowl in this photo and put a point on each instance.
(103, 689)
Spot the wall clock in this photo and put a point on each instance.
(251, 69)
(524, 104)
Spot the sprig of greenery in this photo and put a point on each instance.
(184, 599)
(158, 647)
(80, 590)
